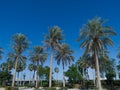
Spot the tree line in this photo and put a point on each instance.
(94, 37)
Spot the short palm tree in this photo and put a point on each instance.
(52, 40)
(19, 45)
(30, 68)
(56, 69)
(95, 37)
(82, 63)
(38, 56)
(64, 55)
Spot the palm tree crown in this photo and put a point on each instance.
(54, 37)
(64, 55)
(38, 55)
(95, 36)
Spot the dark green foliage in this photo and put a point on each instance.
(74, 76)
(5, 76)
(46, 72)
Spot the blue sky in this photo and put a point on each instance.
(33, 17)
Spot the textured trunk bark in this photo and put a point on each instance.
(51, 61)
(14, 75)
(98, 73)
(36, 80)
(83, 77)
(18, 79)
(33, 77)
(37, 75)
(63, 78)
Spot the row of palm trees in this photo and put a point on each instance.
(20, 44)
(95, 37)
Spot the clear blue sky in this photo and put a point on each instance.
(33, 17)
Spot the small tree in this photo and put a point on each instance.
(74, 76)
(4, 77)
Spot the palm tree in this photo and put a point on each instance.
(38, 56)
(52, 40)
(19, 45)
(82, 63)
(56, 69)
(64, 55)
(95, 38)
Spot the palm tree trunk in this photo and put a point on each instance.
(14, 75)
(96, 83)
(51, 61)
(63, 78)
(83, 77)
(18, 81)
(98, 72)
(37, 75)
(34, 77)
(36, 80)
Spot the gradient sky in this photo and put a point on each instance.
(33, 17)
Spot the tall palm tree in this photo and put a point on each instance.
(52, 40)
(64, 55)
(38, 56)
(95, 37)
(19, 45)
